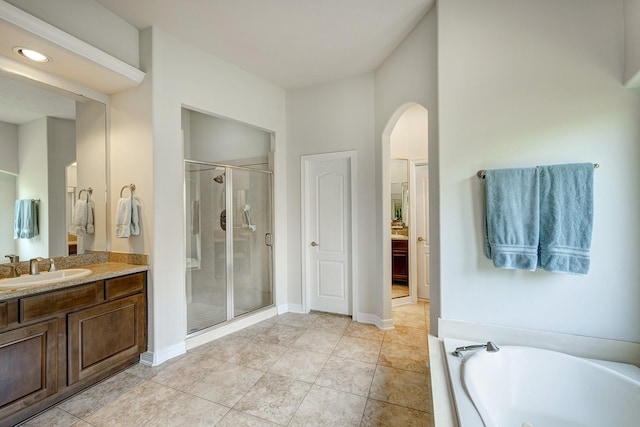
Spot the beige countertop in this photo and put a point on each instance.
(100, 271)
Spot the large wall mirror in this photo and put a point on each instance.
(53, 147)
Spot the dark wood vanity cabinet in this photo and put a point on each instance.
(57, 343)
(399, 260)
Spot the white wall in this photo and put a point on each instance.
(337, 116)
(532, 83)
(61, 151)
(9, 148)
(410, 75)
(182, 76)
(632, 39)
(220, 140)
(32, 183)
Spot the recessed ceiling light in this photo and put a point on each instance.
(31, 54)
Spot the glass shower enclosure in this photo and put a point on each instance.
(229, 262)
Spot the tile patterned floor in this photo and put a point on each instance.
(293, 370)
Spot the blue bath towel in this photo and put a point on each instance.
(25, 219)
(566, 217)
(512, 218)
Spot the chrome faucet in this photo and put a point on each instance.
(34, 266)
(13, 260)
(489, 346)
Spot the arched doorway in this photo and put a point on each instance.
(405, 207)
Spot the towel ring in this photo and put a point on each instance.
(89, 192)
(131, 187)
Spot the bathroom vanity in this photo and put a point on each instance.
(56, 340)
(400, 259)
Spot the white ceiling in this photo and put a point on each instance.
(21, 102)
(291, 43)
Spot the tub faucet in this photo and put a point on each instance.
(489, 346)
(34, 266)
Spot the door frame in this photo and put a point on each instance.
(351, 156)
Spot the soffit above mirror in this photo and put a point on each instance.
(71, 58)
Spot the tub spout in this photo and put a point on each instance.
(489, 346)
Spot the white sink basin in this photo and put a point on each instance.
(44, 278)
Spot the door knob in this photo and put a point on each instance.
(420, 239)
(314, 244)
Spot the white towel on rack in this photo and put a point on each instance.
(135, 217)
(79, 219)
(91, 229)
(123, 218)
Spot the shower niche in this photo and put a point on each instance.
(228, 221)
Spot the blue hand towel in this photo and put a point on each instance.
(566, 217)
(25, 221)
(512, 218)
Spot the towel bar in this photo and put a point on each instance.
(482, 173)
(131, 187)
(88, 190)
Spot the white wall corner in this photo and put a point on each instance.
(290, 308)
(150, 358)
(373, 319)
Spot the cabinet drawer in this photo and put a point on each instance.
(4, 315)
(123, 286)
(43, 305)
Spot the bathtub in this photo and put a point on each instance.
(532, 387)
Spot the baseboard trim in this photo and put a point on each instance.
(373, 319)
(154, 358)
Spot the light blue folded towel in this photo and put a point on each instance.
(512, 218)
(25, 219)
(566, 217)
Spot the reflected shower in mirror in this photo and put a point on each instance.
(53, 147)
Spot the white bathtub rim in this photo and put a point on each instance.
(466, 413)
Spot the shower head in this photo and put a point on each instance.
(219, 179)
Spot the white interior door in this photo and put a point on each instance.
(327, 242)
(422, 229)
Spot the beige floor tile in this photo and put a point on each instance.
(254, 330)
(332, 323)
(418, 309)
(364, 330)
(135, 407)
(319, 341)
(189, 411)
(377, 414)
(224, 348)
(404, 388)
(409, 320)
(407, 336)
(297, 319)
(351, 376)
(281, 334)
(358, 349)
(274, 398)
(56, 417)
(259, 355)
(236, 419)
(300, 365)
(327, 407)
(404, 357)
(227, 384)
(100, 395)
(183, 374)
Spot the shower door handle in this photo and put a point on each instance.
(267, 239)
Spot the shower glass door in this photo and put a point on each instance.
(228, 243)
(251, 240)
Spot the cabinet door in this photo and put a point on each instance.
(105, 336)
(28, 366)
